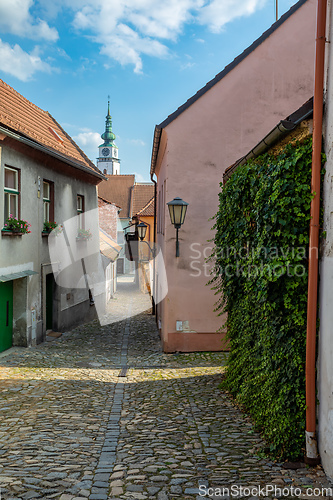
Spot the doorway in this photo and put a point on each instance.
(120, 266)
(6, 315)
(49, 301)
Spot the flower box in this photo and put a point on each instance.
(10, 232)
(16, 226)
(83, 235)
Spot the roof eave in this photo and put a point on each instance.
(216, 79)
(50, 152)
(156, 146)
(281, 129)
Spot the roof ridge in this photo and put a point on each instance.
(146, 206)
(119, 175)
(107, 201)
(258, 41)
(74, 143)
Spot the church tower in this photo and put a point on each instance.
(108, 161)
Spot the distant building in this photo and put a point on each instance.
(108, 160)
(117, 189)
(121, 190)
(146, 215)
(108, 224)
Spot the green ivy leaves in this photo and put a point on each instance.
(260, 275)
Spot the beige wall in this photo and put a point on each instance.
(221, 126)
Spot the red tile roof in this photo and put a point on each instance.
(148, 210)
(29, 121)
(141, 196)
(108, 215)
(117, 189)
(102, 202)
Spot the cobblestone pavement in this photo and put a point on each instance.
(102, 413)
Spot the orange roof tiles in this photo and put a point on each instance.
(148, 210)
(142, 194)
(117, 189)
(28, 120)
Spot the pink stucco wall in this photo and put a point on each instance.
(196, 148)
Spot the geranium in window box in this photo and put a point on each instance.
(16, 226)
(83, 234)
(51, 226)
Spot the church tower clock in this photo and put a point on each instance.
(108, 161)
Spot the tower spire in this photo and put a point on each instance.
(108, 160)
(108, 136)
(108, 107)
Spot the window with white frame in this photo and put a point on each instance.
(80, 210)
(46, 200)
(11, 193)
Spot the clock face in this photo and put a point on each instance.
(105, 151)
(115, 153)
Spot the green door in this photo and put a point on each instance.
(49, 301)
(6, 315)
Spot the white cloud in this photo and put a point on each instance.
(218, 13)
(129, 29)
(16, 62)
(88, 140)
(62, 53)
(137, 142)
(125, 30)
(15, 18)
(187, 65)
(126, 47)
(140, 178)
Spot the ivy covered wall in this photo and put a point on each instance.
(260, 276)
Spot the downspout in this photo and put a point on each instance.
(154, 243)
(312, 456)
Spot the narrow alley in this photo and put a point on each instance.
(101, 413)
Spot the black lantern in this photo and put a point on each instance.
(177, 211)
(142, 229)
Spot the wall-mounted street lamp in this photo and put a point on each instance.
(142, 230)
(177, 211)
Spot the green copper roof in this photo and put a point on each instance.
(108, 136)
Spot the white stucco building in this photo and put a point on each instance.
(44, 178)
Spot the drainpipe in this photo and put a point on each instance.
(312, 457)
(154, 235)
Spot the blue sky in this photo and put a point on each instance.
(67, 56)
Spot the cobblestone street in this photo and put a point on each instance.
(101, 412)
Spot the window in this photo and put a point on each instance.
(164, 206)
(46, 200)
(80, 210)
(161, 209)
(12, 193)
(159, 212)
